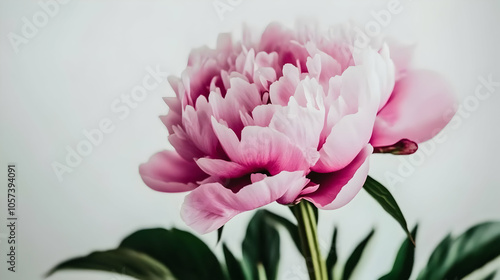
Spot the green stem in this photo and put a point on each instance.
(309, 240)
(262, 271)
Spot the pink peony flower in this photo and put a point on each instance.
(293, 116)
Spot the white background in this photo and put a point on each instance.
(64, 79)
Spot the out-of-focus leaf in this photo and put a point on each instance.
(490, 276)
(403, 265)
(219, 233)
(121, 261)
(184, 254)
(455, 258)
(353, 260)
(261, 247)
(382, 195)
(287, 224)
(332, 255)
(234, 268)
(316, 214)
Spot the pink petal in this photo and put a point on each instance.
(210, 206)
(416, 110)
(350, 134)
(347, 138)
(174, 116)
(309, 93)
(336, 189)
(241, 97)
(321, 65)
(222, 168)
(281, 90)
(381, 72)
(261, 148)
(263, 114)
(175, 82)
(196, 123)
(183, 145)
(166, 171)
(302, 125)
(402, 55)
(274, 37)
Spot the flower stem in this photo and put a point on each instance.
(309, 240)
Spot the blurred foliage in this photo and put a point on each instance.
(161, 254)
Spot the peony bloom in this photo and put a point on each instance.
(292, 116)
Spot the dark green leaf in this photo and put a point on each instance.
(122, 261)
(287, 224)
(439, 254)
(490, 276)
(184, 254)
(353, 260)
(332, 255)
(316, 214)
(261, 247)
(403, 265)
(234, 268)
(219, 233)
(387, 201)
(455, 258)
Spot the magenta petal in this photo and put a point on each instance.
(336, 189)
(166, 171)
(261, 148)
(210, 206)
(418, 109)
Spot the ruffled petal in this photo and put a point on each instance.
(261, 148)
(336, 189)
(212, 205)
(222, 168)
(196, 123)
(302, 125)
(281, 90)
(241, 97)
(347, 135)
(166, 171)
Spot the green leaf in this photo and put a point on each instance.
(332, 255)
(387, 201)
(490, 276)
(439, 253)
(403, 265)
(184, 254)
(234, 268)
(455, 258)
(353, 260)
(261, 247)
(219, 233)
(122, 261)
(316, 214)
(291, 227)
